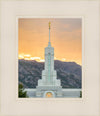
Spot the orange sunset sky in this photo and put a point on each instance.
(33, 36)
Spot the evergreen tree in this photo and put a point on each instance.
(21, 92)
(80, 93)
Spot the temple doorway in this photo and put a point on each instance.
(49, 94)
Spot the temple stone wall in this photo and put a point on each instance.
(66, 93)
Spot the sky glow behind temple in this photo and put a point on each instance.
(65, 37)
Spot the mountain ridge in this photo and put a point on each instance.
(69, 73)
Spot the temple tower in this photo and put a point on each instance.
(49, 85)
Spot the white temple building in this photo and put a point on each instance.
(49, 86)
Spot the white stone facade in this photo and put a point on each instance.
(49, 75)
(66, 93)
(49, 81)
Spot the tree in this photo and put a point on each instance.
(21, 92)
(80, 93)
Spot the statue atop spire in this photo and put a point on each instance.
(49, 24)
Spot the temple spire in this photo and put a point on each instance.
(49, 44)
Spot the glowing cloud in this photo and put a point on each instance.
(29, 57)
(63, 59)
